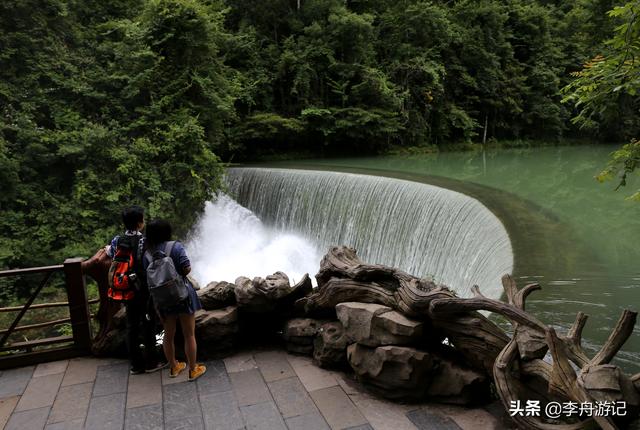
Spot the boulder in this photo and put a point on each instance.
(261, 295)
(330, 345)
(393, 371)
(301, 327)
(375, 325)
(400, 372)
(301, 289)
(216, 330)
(458, 384)
(194, 283)
(271, 294)
(217, 295)
(299, 334)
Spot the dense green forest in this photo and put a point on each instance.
(111, 102)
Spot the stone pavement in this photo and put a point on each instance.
(260, 389)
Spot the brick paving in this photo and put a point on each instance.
(262, 389)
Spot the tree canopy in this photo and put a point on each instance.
(117, 102)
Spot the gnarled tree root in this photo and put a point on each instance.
(516, 364)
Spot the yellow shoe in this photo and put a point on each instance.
(197, 372)
(175, 371)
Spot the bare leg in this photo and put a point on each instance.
(188, 324)
(169, 324)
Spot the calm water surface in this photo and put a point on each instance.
(576, 237)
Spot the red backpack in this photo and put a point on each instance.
(123, 280)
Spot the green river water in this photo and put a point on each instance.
(576, 237)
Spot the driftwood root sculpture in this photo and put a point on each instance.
(515, 363)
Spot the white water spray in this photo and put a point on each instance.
(230, 241)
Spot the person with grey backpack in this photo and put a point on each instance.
(167, 265)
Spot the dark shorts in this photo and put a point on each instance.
(188, 306)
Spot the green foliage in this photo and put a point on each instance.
(427, 72)
(105, 106)
(607, 91)
(623, 162)
(109, 103)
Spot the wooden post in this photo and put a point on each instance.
(78, 306)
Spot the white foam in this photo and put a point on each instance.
(230, 241)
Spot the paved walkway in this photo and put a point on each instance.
(254, 390)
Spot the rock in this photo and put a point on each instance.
(195, 284)
(302, 289)
(260, 295)
(330, 345)
(606, 383)
(400, 372)
(357, 319)
(299, 334)
(393, 371)
(301, 327)
(374, 325)
(272, 293)
(531, 344)
(455, 384)
(206, 320)
(217, 295)
(216, 330)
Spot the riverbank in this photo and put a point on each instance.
(398, 150)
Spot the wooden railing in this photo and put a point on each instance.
(59, 347)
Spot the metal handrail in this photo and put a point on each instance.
(79, 317)
(38, 325)
(43, 306)
(14, 324)
(30, 270)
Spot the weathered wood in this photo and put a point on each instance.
(344, 278)
(619, 335)
(97, 267)
(78, 306)
(511, 362)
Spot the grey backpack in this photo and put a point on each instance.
(166, 285)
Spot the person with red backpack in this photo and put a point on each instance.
(128, 286)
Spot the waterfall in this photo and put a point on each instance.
(230, 241)
(422, 229)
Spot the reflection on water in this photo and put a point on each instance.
(576, 237)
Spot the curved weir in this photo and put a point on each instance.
(422, 229)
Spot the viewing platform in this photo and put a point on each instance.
(258, 389)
